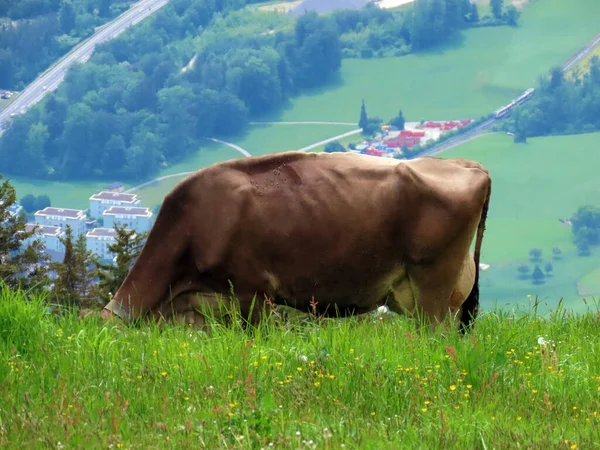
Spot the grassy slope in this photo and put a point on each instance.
(367, 384)
(533, 186)
(471, 78)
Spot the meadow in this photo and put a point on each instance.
(534, 185)
(519, 380)
(468, 78)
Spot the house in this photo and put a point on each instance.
(61, 217)
(50, 236)
(104, 200)
(139, 219)
(98, 240)
(114, 187)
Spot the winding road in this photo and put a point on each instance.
(52, 77)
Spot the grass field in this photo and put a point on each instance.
(590, 283)
(355, 383)
(584, 65)
(533, 186)
(467, 79)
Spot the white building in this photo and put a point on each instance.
(139, 219)
(48, 234)
(98, 240)
(104, 200)
(59, 217)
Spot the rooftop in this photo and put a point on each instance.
(102, 232)
(47, 230)
(63, 212)
(126, 210)
(116, 196)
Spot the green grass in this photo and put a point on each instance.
(590, 283)
(467, 79)
(533, 186)
(361, 383)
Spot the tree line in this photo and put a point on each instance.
(196, 69)
(560, 105)
(37, 32)
(80, 279)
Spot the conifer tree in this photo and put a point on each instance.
(23, 261)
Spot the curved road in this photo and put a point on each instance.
(52, 77)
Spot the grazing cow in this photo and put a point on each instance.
(352, 232)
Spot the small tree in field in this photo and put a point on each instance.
(556, 253)
(549, 268)
(538, 276)
(535, 254)
(398, 121)
(364, 119)
(523, 271)
(127, 247)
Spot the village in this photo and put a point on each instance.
(394, 143)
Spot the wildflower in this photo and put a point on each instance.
(255, 363)
(317, 384)
(573, 447)
(493, 418)
(534, 391)
(427, 402)
(279, 364)
(452, 388)
(299, 369)
(164, 374)
(424, 409)
(469, 386)
(372, 413)
(519, 418)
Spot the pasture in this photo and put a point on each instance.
(534, 185)
(468, 78)
(367, 383)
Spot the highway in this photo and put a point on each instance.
(484, 126)
(52, 77)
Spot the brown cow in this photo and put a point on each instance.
(352, 232)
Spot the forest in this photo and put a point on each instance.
(202, 68)
(560, 106)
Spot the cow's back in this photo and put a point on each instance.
(339, 227)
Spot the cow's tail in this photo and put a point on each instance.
(470, 307)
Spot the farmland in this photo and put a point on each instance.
(356, 383)
(534, 185)
(468, 78)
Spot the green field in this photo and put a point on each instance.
(590, 283)
(534, 185)
(468, 79)
(358, 383)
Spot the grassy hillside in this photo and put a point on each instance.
(355, 383)
(533, 186)
(468, 78)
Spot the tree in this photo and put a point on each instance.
(373, 126)
(474, 13)
(75, 275)
(398, 121)
(556, 253)
(23, 261)
(535, 254)
(127, 247)
(364, 119)
(67, 17)
(538, 276)
(41, 202)
(520, 137)
(28, 203)
(497, 6)
(549, 268)
(523, 271)
(104, 8)
(512, 15)
(334, 147)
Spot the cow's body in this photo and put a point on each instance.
(351, 232)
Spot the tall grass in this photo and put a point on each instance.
(368, 382)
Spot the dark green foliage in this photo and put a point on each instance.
(364, 118)
(48, 29)
(373, 126)
(127, 248)
(334, 147)
(535, 254)
(31, 203)
(524, 272)
(561, 106)
(586, 228)
(75, 274)
(20, 264)
(497, 6)
(398, 121)
(538, 276)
